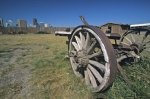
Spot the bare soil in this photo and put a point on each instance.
(14, 77)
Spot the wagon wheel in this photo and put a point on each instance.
(138, 42)
(92, 57)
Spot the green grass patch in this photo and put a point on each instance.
(51, 75)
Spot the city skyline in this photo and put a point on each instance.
(67, 12)
(16, 23)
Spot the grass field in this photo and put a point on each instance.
(33, 66)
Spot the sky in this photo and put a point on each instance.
(67, 12)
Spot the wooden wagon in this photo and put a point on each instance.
(95, 55)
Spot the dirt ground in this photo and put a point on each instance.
(13, 76)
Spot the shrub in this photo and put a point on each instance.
(42, 32)
(22, 32)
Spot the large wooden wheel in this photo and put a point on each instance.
(138, 43)
(92, 57)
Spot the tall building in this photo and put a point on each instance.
(42, 24)
(9, 23)
(35, 22)
(22, 23)
(1, 22)
(46, 25)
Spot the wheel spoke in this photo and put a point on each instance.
(74, 63)
(147, 46)
(75, 46)
(132, 37)
(78, 42)
(87, 79)
(75, 67)
(94, 54)
(128, 40)
(148, 50)
(92, 46)
(125, 44)
(146, 42)
(87, 41)
(95, 73)
(82, 39)
(97, 64)
(92, 79)
(143, 39)
(145, 36)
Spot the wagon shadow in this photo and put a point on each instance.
(128, 61)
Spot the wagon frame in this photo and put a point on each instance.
(96, 59)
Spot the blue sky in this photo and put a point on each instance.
(67, 12)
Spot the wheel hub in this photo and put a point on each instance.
(82, 57)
